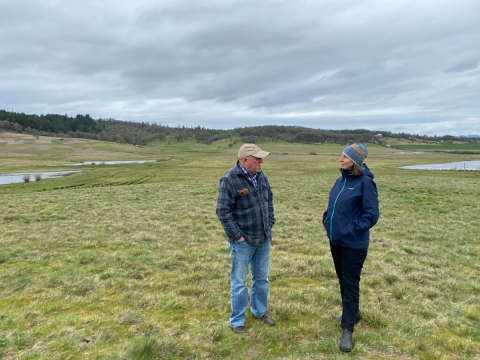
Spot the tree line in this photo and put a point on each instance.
(141, 133)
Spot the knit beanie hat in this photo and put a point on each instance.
(357, 152)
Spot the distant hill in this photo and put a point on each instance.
(473, 136)
(84, 126)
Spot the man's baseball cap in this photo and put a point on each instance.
(251, 150)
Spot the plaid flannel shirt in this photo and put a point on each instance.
(244, 210)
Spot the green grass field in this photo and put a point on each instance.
(130, 261)
(456, 146)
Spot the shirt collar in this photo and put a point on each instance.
(246, 172)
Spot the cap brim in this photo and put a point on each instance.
(261, 154)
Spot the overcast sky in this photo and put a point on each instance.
(402, 66)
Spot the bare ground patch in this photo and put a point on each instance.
(28, 148)
(14, 138)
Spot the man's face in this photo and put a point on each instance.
(252, 164)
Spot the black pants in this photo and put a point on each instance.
(348, 266)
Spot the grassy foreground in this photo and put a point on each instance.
(130, 262)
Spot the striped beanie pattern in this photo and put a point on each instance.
(357, 152)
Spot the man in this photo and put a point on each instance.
(245, 210)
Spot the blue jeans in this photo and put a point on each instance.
(258, 257)
(348, 266)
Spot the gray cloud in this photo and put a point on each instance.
(411, 66)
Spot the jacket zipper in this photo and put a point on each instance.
(334, 206)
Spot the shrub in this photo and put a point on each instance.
(26, 178)
(38, 177)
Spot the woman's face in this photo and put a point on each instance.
(346, 162)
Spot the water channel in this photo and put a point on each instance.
(458, 165)
(108, 162)
(16, 178)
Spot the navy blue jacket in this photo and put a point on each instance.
(244, 210)
(352, 210)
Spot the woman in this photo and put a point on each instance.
(352, 211)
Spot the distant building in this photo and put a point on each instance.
(379, 135)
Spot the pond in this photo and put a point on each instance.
(20, 177)
(108, 162)
(459, 166)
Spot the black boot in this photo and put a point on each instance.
(346, 345)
